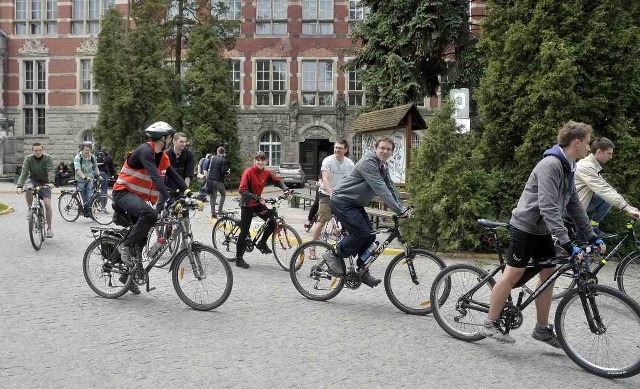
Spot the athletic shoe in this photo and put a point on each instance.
(49, 233)
(262, 246)
(546, 335)
(492, 330)
(334, 263)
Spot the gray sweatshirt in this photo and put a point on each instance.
(367, 179)
(549, 191)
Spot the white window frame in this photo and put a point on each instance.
(277, 93)
(86, 21)
(271, 21)
(271, 144)
(352, 80)
(317, 17)
(33, 95)
(234, 9)
(235, 75)
(86, 87)
(35, 17)
(313, 81)
(357, 11)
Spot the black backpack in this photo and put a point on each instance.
(100, 158)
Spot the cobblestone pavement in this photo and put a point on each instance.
(56, 333)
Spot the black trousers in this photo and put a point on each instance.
(137, 208)
(246, 214)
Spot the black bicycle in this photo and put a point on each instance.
(407, 279)
(71, 204)
(201, 275)
(37, 220)
(597, 325)
(284, 240)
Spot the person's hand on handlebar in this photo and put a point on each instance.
(287, 193)
(602, 247)
(575, 251)
(407, 213)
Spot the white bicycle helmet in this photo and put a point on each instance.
(158, 130)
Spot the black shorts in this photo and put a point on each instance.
(529, 248)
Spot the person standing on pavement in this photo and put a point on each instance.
(107, 170)
(37, 170)
(203, 165)
(182, 160)
(216, 171)
(86, 168)
(252, 183)
(334, 168)
(369, 177)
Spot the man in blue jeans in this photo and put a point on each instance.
(369, 177)
(86, 168)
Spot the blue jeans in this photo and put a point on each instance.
(105, 187)
(598, 208)
(86, 190)
(356, 221)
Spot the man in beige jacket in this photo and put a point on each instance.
(595, 194)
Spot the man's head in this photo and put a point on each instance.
(602, 150)
(260, 160)
(221, 150)
(574, 138)
(384, 148)
(85, 150)
(179, 141)
(340, 148)
(37, 150)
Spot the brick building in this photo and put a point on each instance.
(294, 99)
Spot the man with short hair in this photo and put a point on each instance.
(37, 170)
(182, 160)
(107, 170)
(86, 168)
(216, 171)
(595, 194)
(203, 165)
(548, 193)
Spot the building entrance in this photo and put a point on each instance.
(312, 152)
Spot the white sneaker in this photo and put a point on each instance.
(49, 233)
(493, 330)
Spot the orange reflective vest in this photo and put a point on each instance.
(138, 181)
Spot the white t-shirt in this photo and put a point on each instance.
(337, 170)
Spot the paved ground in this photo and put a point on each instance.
(56, 333)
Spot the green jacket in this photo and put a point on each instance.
(40, 170)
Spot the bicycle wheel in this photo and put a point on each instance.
(35, 229)
(68, 207)
(284, 241)
(459, 314)
(166, 252)
(103, 270)
(205, 283)
(628, 276)
(102, 210)
(407, 281)
(610, 350)
(224, 235)
(310, 274)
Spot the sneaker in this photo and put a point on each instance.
(547, 335)
(241, 263)
(125, 255)
(334, 263)
(49, 233)
(369, 280)
(307, 226)
(133, 288)
(262, 246)
(492, 330)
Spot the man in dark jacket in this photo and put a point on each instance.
(182, 160)
(107, 170)
(217, 169)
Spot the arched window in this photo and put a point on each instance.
(271, 145)
(415, 140)
(87, 138)
(356, 148)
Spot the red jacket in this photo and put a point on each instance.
(253, 182)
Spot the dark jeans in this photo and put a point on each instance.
(104, 186)
(314, 208)
(598, 208)
(137, 208)
(215, 187)
(354, 219)
(246, 214)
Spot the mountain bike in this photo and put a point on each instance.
(597, 325)
(407, 279)
(37, 220)
(284, 240)
(71, 204)
(164, 240)
(201, 275)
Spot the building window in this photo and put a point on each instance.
(271, 83)
(235, 80)
(357, 11)
(356, 147)
(270, 144)
(36, 17)
(356, 90)
(86, 16)
(415, 140)
(88, 93)
(271, 17)
(317, 83)
(34, 89)
(232, 8)
(317, 17)
(87, 138)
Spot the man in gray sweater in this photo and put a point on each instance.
(548, 193)
(369, 177)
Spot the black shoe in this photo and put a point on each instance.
(241, 263)
(369, 280)
(262, 246)
(307, 226)
(133, 288)
(231, 259)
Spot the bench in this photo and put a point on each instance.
(376, 214)
(306, 199)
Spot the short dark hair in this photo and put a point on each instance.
(221, 150)
(37, 144)
(386, 139)
(260, 156)
(179, 134)
(83, 145)
(602, 144)
(573, 130)
(343, 142)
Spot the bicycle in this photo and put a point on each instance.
(201, 275)
(407, 279)
(163, 239)
(70, 204)
(587, 319)
(284, 240)
(37, 220)
(332, 231)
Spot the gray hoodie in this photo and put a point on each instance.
(548, 193)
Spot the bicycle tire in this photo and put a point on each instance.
(284, 241)
(622, 325)
(68, 207)
(224, 235)
(207, 270)
(398, 283)
(35, 229)
(102, 214)
(629, 274)
(102, 268)
(451, 285)
(306, 269)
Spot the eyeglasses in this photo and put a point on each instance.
(385, 148)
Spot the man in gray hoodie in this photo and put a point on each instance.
(369, 177)
(548, 193)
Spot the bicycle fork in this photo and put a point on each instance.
(588, 300)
